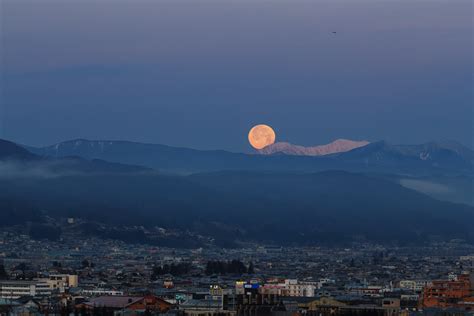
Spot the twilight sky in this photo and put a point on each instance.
(201, 73)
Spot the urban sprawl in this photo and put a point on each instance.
(89, 276)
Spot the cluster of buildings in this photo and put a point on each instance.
(86, 276)
(61, 295)
(456, 292)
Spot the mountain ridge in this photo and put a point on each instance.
(10, 150)
(428, 158)
(336, 146)
(17, 161)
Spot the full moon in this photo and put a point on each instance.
(261, 136)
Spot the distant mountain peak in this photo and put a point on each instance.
(337, 146)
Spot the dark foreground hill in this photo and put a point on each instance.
(336, 204)
(327, 207)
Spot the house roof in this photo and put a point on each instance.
(113, 301)
(26, 299)
(193, 303)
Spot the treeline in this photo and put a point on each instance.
(173, 269)
(228, 267)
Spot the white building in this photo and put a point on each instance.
(100, 292)
(293, 287)
(287, 287)
(324, 281)
(17, 289)
(413, 285)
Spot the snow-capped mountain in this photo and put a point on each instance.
(337, 146)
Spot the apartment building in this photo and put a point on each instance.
(17, 289)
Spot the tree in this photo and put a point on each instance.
(251, 269)
(225, 267)
(87, 264)
(22, 267)
(3, 272)
(173, 269)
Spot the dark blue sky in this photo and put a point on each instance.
(201, 73)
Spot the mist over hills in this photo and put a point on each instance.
(443, 170)
(15, 161)
(286, 202)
